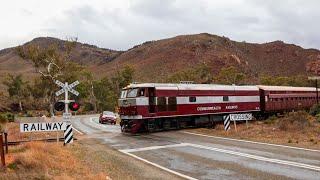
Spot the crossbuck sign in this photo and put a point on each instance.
(67, 87)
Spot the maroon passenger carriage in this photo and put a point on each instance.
(275, 99)
(153, 107)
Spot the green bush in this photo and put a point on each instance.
(314, 110)
(318, 117)
(3, 118)
(88, 107)
(10, 117)
(271, 120)
(299, 120)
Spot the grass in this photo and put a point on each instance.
(295, 129)
(42, 160)
(38, 160)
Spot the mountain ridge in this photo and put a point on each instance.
(156, 60)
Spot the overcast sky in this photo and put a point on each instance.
(121, 24)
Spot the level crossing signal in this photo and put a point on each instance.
(74, 106)
(59, 106)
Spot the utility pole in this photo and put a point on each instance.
(316, 78)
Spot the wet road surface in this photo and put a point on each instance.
(194, 156)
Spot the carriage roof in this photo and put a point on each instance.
(285, 88)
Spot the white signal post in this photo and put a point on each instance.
(66, 88)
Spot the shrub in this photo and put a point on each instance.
(88, 107)
(271, 120)
(314, 110)
(295, 121)
(10, 117)
(3, 118)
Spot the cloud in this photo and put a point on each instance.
(122, 24)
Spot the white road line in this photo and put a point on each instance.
(158, 166)
(289, 163)
(253, 142)
(255, 157)
(77, 130)
(154, 147)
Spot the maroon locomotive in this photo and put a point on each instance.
(154, 106)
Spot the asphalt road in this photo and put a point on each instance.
(193, 156)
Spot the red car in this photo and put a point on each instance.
(107, 117)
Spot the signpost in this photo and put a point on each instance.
(2, 157)
(65, 125)
(43, 127)
(68, 135)
(236, 117)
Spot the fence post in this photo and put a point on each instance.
(6, 141)
(3, 162)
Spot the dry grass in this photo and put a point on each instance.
(295, 129)
(38, 160)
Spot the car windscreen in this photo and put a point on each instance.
(132, 92)
(108, 113)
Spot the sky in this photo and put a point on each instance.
(121, 24)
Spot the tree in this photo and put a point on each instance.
(107, 89)
(199, 74)
(17, 88)
(122, 78)
(299, 80)
(229, 75)
(53, 63)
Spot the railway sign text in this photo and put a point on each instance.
(40, 127)
(241, 117)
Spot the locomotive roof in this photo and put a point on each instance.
(176, 86)
(285, 88)
(171, 86)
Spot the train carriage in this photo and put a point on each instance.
(284, 98)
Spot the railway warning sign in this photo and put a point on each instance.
(41, 127)
(241, 117)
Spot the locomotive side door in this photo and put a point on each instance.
(152, 100)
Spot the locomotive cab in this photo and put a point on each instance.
(133, 103)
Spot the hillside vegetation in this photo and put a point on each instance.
(202, 58)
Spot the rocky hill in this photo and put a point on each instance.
(156, 60)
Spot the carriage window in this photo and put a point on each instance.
(172, 104)
(225, 98)
(162, 103)
(192, 99)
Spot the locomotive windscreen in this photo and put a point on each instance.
(132, 92)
